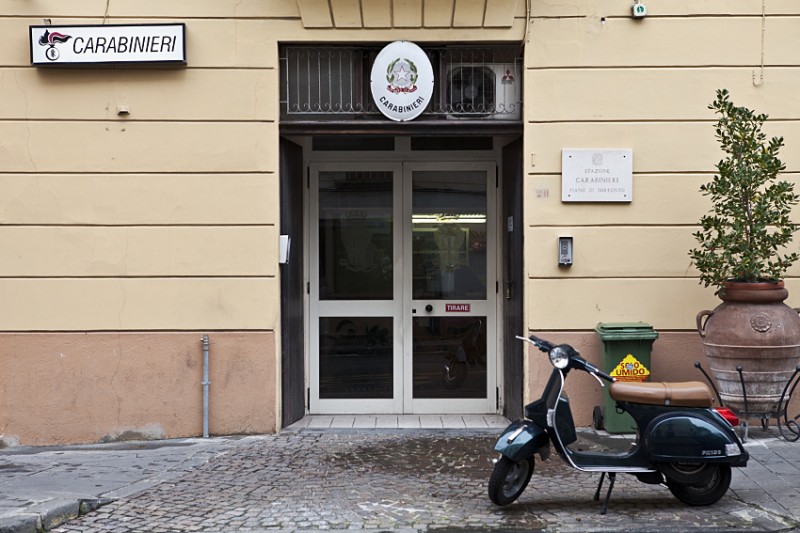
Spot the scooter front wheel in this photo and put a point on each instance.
(706, 492)
(509, 479)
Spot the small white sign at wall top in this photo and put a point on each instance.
(596, 175)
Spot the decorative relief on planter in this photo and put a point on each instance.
(760, 323)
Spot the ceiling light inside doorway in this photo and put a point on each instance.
(446, 218)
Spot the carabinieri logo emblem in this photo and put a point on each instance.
(409, 73)
(402, 76)
(51, 40)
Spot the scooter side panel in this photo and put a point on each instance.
(521, 440)
(684, 437)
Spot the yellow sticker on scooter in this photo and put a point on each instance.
(629, 369)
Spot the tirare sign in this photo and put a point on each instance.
(108, 43)
(402, 81)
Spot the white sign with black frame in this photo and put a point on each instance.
(108, 44)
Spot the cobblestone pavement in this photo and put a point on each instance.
(429, 481)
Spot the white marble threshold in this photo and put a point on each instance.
(400, 422)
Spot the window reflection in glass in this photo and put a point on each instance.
(449, 235)
(450, 357)
(355, 357)
(355, 235)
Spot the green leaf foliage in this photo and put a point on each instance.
(744, 237)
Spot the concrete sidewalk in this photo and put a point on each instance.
(41, 487)
(311, 479)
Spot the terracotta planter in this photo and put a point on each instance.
(754, 329)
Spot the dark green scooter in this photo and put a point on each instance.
(681, 440)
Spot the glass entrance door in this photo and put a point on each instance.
(356, 327)
(402, 288)
(450, 288)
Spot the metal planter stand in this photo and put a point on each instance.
(792, 427)
(789, 428)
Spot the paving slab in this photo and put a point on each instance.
(42, 487)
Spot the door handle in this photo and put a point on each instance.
(429, 308)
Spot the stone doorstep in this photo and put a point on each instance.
(49, 514)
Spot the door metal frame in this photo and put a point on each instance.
(352, 160)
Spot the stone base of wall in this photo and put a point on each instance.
(67, 388)
(70, 388)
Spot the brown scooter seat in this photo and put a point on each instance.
(684, 394)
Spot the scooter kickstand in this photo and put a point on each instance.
(612, 477)
(599, 486)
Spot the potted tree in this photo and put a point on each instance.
(743, 253)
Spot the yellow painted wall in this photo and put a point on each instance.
(597, 78)
(183, 190)
(124, 237)
(410, 13)
(162, 219)
(166, 219)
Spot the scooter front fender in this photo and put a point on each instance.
(521, 440)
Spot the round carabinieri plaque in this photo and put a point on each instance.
(402, 81)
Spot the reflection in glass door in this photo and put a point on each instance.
(402, 294)
(451, 258)
(354, 331)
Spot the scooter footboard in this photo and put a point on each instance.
(521, 440)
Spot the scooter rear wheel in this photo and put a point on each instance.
(705, 492)
(688, 473)
(509, 479)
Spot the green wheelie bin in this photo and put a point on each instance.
(626, 356)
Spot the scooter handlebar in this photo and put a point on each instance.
(546, 346)
(543, 345)
(597, 372)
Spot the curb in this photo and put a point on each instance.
(20, 523)
(48, 515)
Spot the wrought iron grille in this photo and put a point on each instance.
(333, 82)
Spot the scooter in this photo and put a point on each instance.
(681, 441)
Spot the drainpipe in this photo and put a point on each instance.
(206, 382)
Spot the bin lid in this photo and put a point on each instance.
(623, 331)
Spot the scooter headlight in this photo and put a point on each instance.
(559, 357)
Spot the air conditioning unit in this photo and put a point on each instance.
(484, 90)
